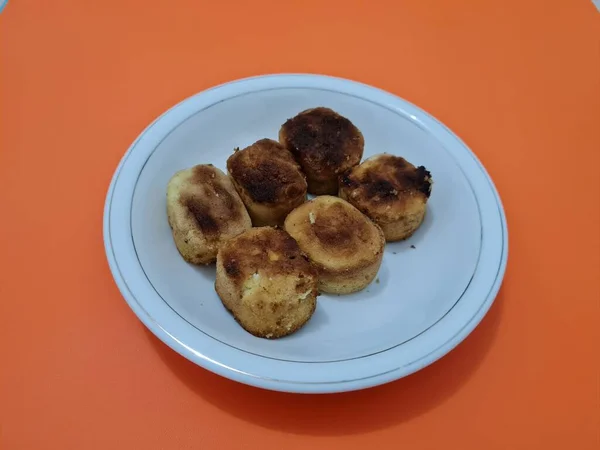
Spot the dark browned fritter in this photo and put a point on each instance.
(392, 180)
(267, 172)
(325, 144)
(269, 181)
(389, 190)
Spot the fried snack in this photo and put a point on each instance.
(268, 180)
(325, 144)
(266, 282)
(343, 244)
(204, 210)
(390, 191)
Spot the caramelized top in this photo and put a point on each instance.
(265, 252)
(334, 233)
(385, 186)
(209, 201)
(324, 142)
(267, 172)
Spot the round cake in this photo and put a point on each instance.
(345, 246)
(325, 144)
(266, 282)
(269, 181)
(391, 191)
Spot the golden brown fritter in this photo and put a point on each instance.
(266, 282)
(391, 191)
(343, 244)
(204, 210)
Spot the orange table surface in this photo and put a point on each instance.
(519, 81)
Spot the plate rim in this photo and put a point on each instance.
(294, 386)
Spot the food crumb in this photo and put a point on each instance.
(412, 246)
(394, 253)
(377, 281)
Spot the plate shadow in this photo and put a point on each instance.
(345, 413)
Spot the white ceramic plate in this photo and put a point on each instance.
(431, 291)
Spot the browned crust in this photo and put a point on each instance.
(285, 297)
(203, 209)
(267, 173)
(271, 250)
(340, 231)
(325, 144)
(214, 210)
(386, 187)
(340, 241)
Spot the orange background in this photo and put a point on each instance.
(519, 81)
